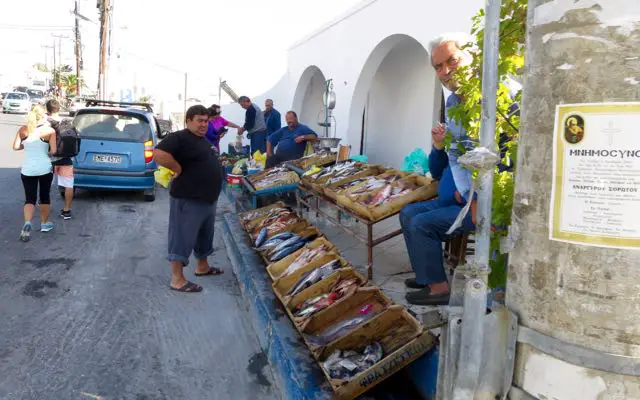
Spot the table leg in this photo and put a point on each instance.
(298, 202)
(370, 251)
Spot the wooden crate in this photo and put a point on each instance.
(276, 269)
(303, 231)
(428, 189)
(403, 340)
(283, 285)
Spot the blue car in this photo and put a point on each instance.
(116, 147)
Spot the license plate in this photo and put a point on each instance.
(107, 159)
(14, 105)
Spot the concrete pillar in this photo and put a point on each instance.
(578, 51)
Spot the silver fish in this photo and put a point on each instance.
(313, 277)
(286, 244)
(286, 251)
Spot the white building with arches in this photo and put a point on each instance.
(387, 94)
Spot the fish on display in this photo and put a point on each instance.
(341, 328)
(286, 251)
(275, 240)
(381, 196)
(262, 236)
(313, 277)
(345, 364)
(293, 239)
(318, 303)
(307, 256)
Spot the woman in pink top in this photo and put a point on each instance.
(217, 125)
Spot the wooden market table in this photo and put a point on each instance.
(310, 198)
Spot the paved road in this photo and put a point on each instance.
(86, 311)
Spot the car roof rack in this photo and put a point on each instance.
(93, 102)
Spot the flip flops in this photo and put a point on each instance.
(188, 287)
(211, 271)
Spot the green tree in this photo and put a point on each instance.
(70, 82)
(41, 67)
(468, 112)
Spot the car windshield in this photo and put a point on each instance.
(35, 93)
(16, 96)
(112, 125)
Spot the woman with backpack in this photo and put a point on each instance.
(38, 140)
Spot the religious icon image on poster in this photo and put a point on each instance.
(574, 129)
(595, 190)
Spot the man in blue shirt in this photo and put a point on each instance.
(291, 141)
(271, 117)
(424, 224)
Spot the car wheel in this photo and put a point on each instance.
(150, 195)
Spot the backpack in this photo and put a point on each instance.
(67, 139)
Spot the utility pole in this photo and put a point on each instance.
(78, 51)
(104, 6)
(56, 73)
(576, 296)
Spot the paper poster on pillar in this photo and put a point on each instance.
(595, 198)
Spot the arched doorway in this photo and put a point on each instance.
(396, 102)
(307, 101)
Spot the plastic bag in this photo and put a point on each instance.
(163, 176)
(260, 159)
(416, 162)
(360, 158)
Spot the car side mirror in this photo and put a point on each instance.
(163, 134)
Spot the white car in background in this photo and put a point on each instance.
(16, 102)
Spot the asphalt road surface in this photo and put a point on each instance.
(86, 312)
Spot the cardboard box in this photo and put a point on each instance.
(303, 231)
(332, 191)
(322, 287)
(276, 269)
(403, 340)
(427, 189)
(347, 308)
(282, 286)
(248, 216)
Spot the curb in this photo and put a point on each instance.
(296, 372)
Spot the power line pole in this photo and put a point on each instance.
(78, 51)
(104, 6)
(576, 300)
(56, 70)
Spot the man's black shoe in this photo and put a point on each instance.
(424, 297)
(411, 283)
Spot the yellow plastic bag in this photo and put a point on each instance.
(163, 176)
(309, 149)
(259, 158)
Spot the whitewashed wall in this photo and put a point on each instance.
(375, 53)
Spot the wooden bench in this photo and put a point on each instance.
(456, 250)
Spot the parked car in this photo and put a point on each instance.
(116, 147)
(36, 96)
(16, 102)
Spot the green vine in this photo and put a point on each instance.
(468, 113)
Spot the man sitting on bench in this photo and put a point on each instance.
(425, 224)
